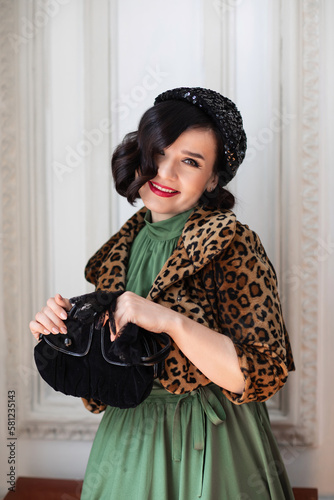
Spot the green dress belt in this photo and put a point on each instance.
(204, 401)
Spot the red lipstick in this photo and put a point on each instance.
(160, 190)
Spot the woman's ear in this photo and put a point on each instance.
(213, 184)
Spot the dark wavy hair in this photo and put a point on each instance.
(158, 128)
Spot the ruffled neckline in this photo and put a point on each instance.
(167, 229)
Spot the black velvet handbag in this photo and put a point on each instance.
(87, 363)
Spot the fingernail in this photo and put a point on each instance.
(55, 330)
(46, 332)
(63, 329)
(63, 315)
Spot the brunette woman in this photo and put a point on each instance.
(188, 267)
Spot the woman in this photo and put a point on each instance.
(190, 269)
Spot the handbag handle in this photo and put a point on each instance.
(154, 358)
(150, 360)
(160, 355)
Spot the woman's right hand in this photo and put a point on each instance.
(49, 318)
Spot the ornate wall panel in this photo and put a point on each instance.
(48, 183)
(9, 193)
(28, 182)
(295, 156)
(310, 218)
(24, 152)
(301, 215)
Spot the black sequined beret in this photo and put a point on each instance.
(226, 117)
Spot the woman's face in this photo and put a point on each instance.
(185, 171)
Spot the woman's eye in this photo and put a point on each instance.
(192, 162)
(157, 156)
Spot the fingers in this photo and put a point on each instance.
(131, 308)
(64, 303)
(113, 335)
(117, 318)
(124, 310)
(49, 319)
(35, 329)
(58, 307)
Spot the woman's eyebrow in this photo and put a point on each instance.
(196, 155)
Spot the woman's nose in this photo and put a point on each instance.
(167, 169)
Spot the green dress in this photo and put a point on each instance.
(182, 447)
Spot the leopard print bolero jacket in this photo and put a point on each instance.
(219, 275)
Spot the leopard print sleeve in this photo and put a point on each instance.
(249, 312)
(94, 264)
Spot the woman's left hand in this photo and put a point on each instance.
(132, 308)
(213, 353)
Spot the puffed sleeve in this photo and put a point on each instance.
(250, 313)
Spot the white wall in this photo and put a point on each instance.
(107, 61)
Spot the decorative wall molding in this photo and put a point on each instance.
(9, 195)
(44, 414)
(301, 280)
(294, 410)
(67, 430)
(23, 157)
(307, 432)
(219, 39)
